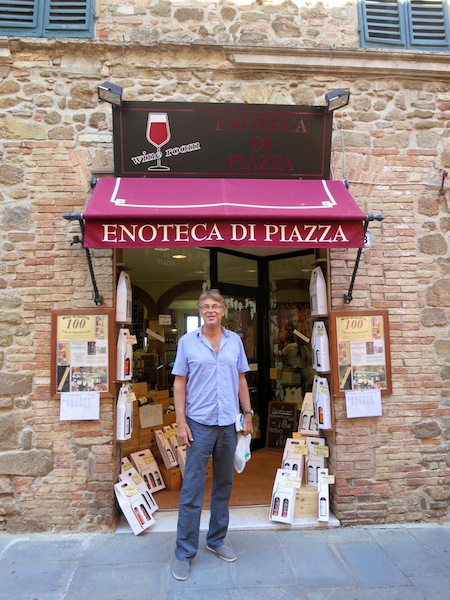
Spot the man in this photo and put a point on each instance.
(297, 355)
(209, 384)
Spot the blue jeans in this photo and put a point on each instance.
(220, 442)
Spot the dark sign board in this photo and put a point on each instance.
(282, 422)
(177, 139)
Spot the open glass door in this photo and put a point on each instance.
(237, 278)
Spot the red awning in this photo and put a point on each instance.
(244, 213)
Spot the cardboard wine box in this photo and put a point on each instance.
(294, 455)
(315, 462)
(148, 469)
(181, 456)
(165, 449)
(323, 497)
(141, 486)
(133, 506)
(282, 505)
(307, 424)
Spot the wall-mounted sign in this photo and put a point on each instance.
(81, 357)
(181, 139)
(361, 351)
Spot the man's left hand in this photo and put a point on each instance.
(248, 424)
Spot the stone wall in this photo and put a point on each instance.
(53, 475)
(396, 467)
(391, 143)
(266, 23)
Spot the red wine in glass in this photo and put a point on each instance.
(158, 134)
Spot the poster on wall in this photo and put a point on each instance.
(361, 351)
(81, 357)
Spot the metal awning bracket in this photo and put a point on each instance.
(98, 298)
(348, 297)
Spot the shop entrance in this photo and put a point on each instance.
(267, 299)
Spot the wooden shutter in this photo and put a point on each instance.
(410, 24)
(428, 22)
(68, 18)
(47, 18)
(18, 16)
(382, 23)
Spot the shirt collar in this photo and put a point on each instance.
(225, 332)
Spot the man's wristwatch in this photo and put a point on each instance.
(249, 412)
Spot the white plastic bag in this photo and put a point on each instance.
(242, 454)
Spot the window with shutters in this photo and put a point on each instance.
(47, 18)
(405, 24)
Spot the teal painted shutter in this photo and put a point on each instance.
(68, 18)
(428, 21)
(19, 17)
(47, 18)
(382, 23)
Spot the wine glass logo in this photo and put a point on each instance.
(158, 134)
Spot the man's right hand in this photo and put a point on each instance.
(184, 435)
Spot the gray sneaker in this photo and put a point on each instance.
(180, 569)
(224, 552)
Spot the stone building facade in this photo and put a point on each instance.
(392, 143)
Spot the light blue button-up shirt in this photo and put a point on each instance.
(212, 390)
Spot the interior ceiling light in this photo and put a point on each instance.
(337, 99)
(110, 92)
(161, 249)
(179, 256)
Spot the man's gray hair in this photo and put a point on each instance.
(214, 295)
